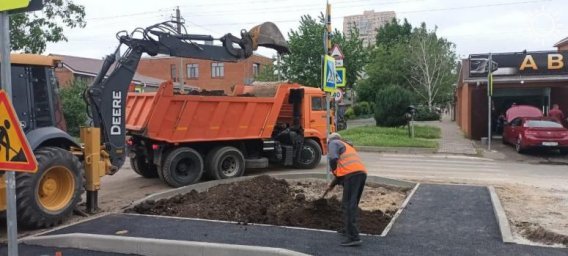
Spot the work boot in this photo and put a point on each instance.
(351, 242)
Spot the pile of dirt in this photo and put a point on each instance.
(536, 233)
(263, 200)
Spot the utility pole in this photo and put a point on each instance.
(180, 69)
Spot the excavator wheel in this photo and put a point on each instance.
(146, 170)
(183, 166)
(46, 198)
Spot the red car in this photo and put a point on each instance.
(526, 128)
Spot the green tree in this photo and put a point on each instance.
(74, 107)
(391, 104)
(31, 31)
(386, 64)
(303, 64)
(433, 66)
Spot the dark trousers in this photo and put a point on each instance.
(352, 189)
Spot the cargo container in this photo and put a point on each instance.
(180, 137)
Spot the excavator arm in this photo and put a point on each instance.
(105, 140)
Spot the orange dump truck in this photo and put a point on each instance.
(180, 137)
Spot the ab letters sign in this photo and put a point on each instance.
(526, 64)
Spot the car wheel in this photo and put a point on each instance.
(519, 145)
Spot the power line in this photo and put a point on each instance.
(411, 11)
(293, 8)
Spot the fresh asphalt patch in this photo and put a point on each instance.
(438, 220)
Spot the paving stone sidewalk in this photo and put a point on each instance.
(453, 140)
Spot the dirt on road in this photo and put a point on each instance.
(266, 200)
(537, 214)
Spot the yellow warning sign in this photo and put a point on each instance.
(15, 152)
(6, 5)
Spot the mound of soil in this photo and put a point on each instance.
(537, 233)
(263, 200)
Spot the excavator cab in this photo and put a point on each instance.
(34, 91)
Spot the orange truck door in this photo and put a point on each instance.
(316, 114)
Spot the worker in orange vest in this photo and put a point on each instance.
(349, 171)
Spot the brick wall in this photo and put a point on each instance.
(64, 76)
(234, 72)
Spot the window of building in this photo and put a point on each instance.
(255, 69)
(217, 69)
(192, 70)
(173, 72)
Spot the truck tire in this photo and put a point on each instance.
(47, 197)
(146, 170)
(225, 162)
(183, 166)
(310, 156)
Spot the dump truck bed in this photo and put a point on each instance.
(177, 118)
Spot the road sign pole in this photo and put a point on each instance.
(11, 217)
(328, 95)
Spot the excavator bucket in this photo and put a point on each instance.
(269, 36)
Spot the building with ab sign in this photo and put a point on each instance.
(536, 78)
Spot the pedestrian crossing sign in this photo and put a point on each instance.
(15, 152)
(329, 74)
(340, 80)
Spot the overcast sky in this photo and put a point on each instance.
(474, 26)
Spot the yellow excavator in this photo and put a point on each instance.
(67, 168)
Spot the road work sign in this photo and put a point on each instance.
(340, 80)
(15, 152)
(6, 5)
(329, 74)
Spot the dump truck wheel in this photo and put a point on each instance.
(310, 156)
(48, 197)
(225, 162)
(183, 166)
(146, 170)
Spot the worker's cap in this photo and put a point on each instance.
(333, 136)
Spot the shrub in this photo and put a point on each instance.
(362, 108)
(74, 107)
(349, 113)
(425, 114)
(391, 104)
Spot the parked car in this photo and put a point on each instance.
(526, 128)
(536, 132)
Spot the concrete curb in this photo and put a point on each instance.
(406, 150)
(502, 220)
(399, 211)
(152, 247)
(200, 187)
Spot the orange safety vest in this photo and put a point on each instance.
(349, 162)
